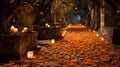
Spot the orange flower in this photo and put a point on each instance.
(105, 58)
(46, 63)
(114, 61)
(74, 60)
(55, 65)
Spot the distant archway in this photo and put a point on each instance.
(76, 19)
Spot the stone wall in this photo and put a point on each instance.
(24, 16)
(107, 33)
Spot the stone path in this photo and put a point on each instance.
(80, 47)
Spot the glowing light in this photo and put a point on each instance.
(52, 41)
(25, 29)
(47, 25)
(12, 28)
(15, 30)
(76, 8)
(102, 39)
(90, 30)
(71, 4)
(30, 54)
(97, 35)
(63, 33)
(118, 11)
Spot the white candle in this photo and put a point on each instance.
(52, 41)
(30, 54)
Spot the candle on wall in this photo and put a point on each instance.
(15, 30)
(25, 29)
(12, 28)
(30, 54)
(52, 41)
(47, 25)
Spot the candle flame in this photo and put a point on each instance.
(52, 41)
(63, 33)
(97, 35)
(102, 39)
(30, 54)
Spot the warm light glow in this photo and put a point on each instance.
(52, 41)
(82, 26)
(63, 33)
(12, 28)
(118, 11)
(30, 54)
(71, 4)
(47, 25)
(60, 19)
(15, 30)
(102, 39)
(25, 29)
(97, 35)
(90, 30)
(56, 1)
(12, 1)
(76, 8)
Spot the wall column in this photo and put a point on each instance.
(92, 18)
(97, 17)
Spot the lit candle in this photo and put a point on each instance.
(30, 54)
(97, 35)
(52, 41)
(15, 30)
(63, 33)
(47, 25)
(25, 29)
(22, 31)
(12, 28)
(102, 39)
